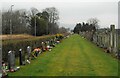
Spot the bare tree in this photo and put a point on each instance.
(53, 18)
(63, 30)
(34, 11)
(53, 14)
(94, 22)
(18, 22)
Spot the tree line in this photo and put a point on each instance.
(32, 22)
(91, 25)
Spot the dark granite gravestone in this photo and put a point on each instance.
(11, 60)
(21, 57)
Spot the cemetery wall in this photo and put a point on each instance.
(15, 45)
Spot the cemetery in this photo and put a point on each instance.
(102, 38)
(106, 38)
(40, 40)
(55, 62)
(25, 56)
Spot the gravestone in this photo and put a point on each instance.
(115, 43)
(115, 47)
(28, 52)
(107, 39)
(11, 60)
(112, 37)
(43, 46)
(104, 40)
(21, 57)
(99, 40)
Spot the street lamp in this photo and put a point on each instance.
(11, 21)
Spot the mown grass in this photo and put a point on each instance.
(75, 56)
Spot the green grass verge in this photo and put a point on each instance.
(75, 56)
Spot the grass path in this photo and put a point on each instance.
(75, 56)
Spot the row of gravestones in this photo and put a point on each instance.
(87, 34)
(22, 59)
(11, 58)
(105, 38)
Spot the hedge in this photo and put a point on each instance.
(15, 45)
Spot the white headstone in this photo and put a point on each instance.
(29, 52)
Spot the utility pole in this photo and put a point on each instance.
(11, 21)
(35, 25)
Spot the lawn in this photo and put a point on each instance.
(75, 56)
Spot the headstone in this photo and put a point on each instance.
(28, 52)
(21, 57)
(43, 46)
(115, 42)
(11, 60)
(112, 37)
(107, 40)
(97, 38)
(104, 40)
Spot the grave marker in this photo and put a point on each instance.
(43, 46)
(28, 52)
(113, 39)
(11, 60)
(21, 57)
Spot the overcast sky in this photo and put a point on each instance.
(73, 11)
